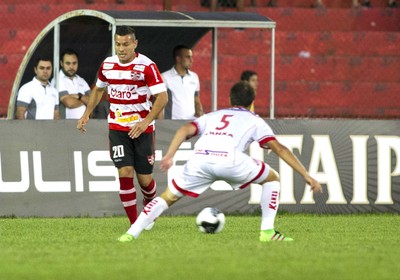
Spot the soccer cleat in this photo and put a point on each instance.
(273, 235)
(126, 237)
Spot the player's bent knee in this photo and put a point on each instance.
(169, 197)
(272, 176)
(126, 171)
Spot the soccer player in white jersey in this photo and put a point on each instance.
(132, 81)
(220, 154)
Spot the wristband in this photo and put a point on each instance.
(80, 96)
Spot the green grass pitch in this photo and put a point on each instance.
(325, 247)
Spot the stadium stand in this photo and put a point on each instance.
(332, 62)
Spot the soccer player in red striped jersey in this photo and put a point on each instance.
(132, 81)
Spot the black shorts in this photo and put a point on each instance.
(138, 152)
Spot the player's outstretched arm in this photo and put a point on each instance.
(184, 132)
(284, 153)
(94, 99)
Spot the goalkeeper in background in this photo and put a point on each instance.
(219, 154)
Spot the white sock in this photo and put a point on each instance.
(269, 204)
(149, 214)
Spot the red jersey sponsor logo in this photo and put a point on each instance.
(125, 94)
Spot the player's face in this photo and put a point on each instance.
(43, 71)
(69, 65)
(186, 59)
(125, 47)
(253, 81)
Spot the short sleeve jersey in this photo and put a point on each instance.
(40, 101)
(229, 130)
(181, 94)
(131, 87)
(75, 85)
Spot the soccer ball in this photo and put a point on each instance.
(210, 220)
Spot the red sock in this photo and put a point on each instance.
(127, 194)
(149, 192)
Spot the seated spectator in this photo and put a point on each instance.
(38, 99)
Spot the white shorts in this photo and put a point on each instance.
(198, 175)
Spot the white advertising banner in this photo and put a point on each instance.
(48, 168)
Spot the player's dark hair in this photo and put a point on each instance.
(178, 50)
(246, 75)
(43, 58)
(124, 30)
(68, 52)
(242, 94)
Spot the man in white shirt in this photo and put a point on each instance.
(73, 90)
(37, 99)
(183, 87)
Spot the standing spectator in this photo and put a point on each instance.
(72, 89)
(251, 77)
(183, 87)
(38, 99)
(132, 80)
(219, 154)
